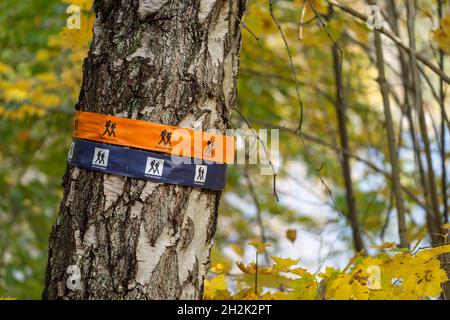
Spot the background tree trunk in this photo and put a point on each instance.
(344, 158)
(167, 62)
(393, 154)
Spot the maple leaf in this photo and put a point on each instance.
(259, 245)
(298, 271)
(216, 288)
(433, 252)
(304, 288)
(348, 287)
(426, 279)
(249, 268)
(283, 265)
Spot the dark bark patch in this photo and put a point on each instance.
(186, 234)
(164, 280)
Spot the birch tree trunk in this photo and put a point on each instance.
(169, 61)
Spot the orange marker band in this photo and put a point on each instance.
(154, 136)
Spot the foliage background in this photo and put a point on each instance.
(40, 74)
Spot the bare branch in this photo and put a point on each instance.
(394, 38)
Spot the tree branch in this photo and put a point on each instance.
(394, 38)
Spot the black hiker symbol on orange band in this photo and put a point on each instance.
(209, 150)
(110, 128)
(166, 137)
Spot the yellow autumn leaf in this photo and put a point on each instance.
(47, 77)
(360, 30)
(219, 268)
(385, 245)
(278, 295)
(425, 280)
(298, 271)
(291, 234)
(251, 268)
(3, 111)
(442, 35)
(259, 245)
(77, 39)
(304, 288)
(15, 94)
(216, 288)
(250, 296)
(83, 4)
(4, 68)
(348, 287)
(219, 263)
(48, 100)
(433, 252)
(245, 294)
(283, 265)
(42, 55)
(330, 273)
(237, 249)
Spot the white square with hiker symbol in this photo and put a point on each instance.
(154, 166)
(200, 173)
(100, 157)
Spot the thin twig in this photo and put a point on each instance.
(322, 142)
(291, 63)
(275, 194)
(259, 218)
(301, 22)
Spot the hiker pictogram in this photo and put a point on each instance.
(110, 128)
(154, 166)
(100, 157)
(166, 137)
(200, 173)
(209, 150)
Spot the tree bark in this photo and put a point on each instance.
(165, 61)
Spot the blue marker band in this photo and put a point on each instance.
(146, 165)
